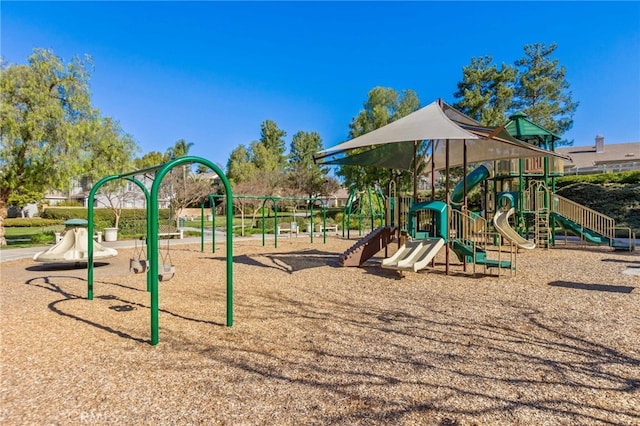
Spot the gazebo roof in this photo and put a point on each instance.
(519, 126)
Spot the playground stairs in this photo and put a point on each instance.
(367, 246)
(542, 234)
(470, 252)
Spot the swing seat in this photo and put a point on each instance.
(138, 266)
(166, 272)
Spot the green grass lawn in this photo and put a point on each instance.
(18, 236)
(30, 236)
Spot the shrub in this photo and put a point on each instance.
(30, 223)
(132, 221)
(599, 179)
(69, 203)
(43, 238)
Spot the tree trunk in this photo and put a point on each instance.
(3, 214)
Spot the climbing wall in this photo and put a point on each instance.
(367, 246)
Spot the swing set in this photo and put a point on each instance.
(274, 202)
(158, 266)
(139, 263)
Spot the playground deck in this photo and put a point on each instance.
(315, 343)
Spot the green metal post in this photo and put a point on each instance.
(213, 222)
(148, 229)
(520, 192)
(275, 223)
(153, 240)
(202, 227)
(90, 231)
(152, 249)
(324, 218)
(311, 222)
(263, 218)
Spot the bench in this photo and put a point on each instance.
(170, 231)
(177, 233)
(333, 228)
(328, 228)
(293, 229)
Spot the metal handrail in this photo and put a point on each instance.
(584, 216)
(464, 227)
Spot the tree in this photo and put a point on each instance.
(536, 85)
(239, 166)
(43, 106)
(268, 152)
(486, 92)
(109, 151)
(383, 106)
(304, 176)
(542, 90)
(181, 186)
(150, 159)
(180, 149)
(259, 184)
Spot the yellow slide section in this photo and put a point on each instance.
(501, 223)
(414, 255)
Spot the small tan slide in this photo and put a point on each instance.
(501, 223)
(414, 255)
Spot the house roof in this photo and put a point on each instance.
(586, 156)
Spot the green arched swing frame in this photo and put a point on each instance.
(152, 232)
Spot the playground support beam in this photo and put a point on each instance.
(90, 225)
(152, 233)
(153, 241)
(447, 197)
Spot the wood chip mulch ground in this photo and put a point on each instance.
(314, 343)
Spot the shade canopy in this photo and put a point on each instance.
(429, 122)
(391, 146)
(492, 144)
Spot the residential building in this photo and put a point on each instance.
(601, 158)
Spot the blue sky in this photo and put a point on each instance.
(212, 72)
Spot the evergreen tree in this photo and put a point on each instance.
(537, 86)
(486, 92)
(305, 177)
(542, 91)
(268, 152)
(239, 166)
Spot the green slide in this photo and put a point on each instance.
(480, 173)
(591, 235)
(580, 231)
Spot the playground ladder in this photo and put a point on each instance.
(542, 233)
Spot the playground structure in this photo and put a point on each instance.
(367, 204)
(73, 247)
(156, 271)
(517, 180)
(417, 254)
(367, 247)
